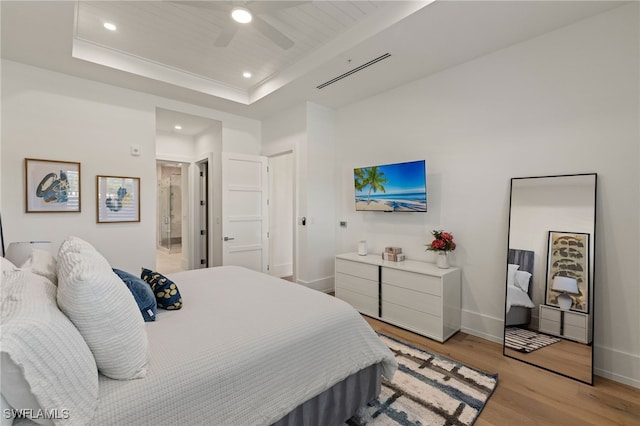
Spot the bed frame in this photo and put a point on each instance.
(519, 315)
(339, 403)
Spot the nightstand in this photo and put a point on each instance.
(568, 324)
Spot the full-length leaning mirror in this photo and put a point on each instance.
(550, 273)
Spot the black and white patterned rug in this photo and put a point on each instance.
(428, 389)
(526, 341)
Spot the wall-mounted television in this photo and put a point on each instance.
(399, 187)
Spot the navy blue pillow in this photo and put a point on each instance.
(166, 292)
(141, 292)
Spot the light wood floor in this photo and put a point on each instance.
(527, 395)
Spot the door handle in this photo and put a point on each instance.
(228, 238)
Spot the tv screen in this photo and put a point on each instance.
(400, 187)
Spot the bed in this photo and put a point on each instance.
(519, 290)
(245, 348)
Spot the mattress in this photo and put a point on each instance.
(245, 349)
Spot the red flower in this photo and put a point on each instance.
(443, 242)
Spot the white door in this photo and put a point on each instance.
(245, 221)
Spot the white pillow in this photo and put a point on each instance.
(103, 310)
(511, 273)
(7, 265)
(521, 280)
(46, 364)
(41, 262)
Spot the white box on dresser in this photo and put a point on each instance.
(417, 296)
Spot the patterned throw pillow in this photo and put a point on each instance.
(165, 290)
(141, 292)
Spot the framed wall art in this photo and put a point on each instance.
(568, 271)
(51, 186)
(118, 199)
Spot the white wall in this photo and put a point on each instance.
(50, 115)
(565, 102)
(281, 220)
(308, 131)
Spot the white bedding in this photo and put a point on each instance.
(235, 354)
(517, 297)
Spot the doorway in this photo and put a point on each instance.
(170, 226)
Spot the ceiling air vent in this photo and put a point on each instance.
(348, 73)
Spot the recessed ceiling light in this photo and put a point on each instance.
(241, 15)
(246, 74)
(110, 26)
(177, 127)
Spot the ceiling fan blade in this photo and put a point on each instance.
(272, 33)
(224, 38)
(259, 7)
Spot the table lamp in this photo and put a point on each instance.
(565, 286)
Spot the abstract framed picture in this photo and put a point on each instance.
(51, 186)
(568, 270)
(118, 199)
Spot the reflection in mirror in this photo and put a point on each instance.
(550, 273)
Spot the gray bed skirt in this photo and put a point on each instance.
(339, 403)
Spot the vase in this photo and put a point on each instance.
(442, 260)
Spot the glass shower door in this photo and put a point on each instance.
(170, 197)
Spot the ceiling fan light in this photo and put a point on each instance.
(241, 15)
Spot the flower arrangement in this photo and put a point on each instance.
(443, 242)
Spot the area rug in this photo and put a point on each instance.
(428, 389)
(526, 341)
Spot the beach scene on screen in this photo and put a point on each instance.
(400, 187)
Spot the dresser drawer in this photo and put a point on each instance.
(357, 269)
(549, 314)
(419, 322)
(575, 319)
(416, 300)
(551, 327)
(575, 333)
(365, 304)
(412, 281)
(357, 284)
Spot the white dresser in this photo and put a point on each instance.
(568, 324)
(417, 296)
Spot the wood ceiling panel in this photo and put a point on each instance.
(182, 36)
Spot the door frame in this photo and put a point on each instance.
(187, 253)
(194, 202)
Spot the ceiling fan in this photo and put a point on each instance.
(249, 12)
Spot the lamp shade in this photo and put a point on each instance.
(18, 253)
(565, 285)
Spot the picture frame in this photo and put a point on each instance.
(117, 199)
(568, 256)
(52, 186)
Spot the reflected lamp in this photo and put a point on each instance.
(565, 286)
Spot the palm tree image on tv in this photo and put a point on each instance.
(391, 187)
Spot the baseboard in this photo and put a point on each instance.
(611, 364)
(325, 285)
(617, 365)
(281, 270)
(483, 326)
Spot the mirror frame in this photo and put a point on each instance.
(591, 279)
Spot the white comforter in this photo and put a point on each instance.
(245, 349)
(517, 297)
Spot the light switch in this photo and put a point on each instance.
(135, 150)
